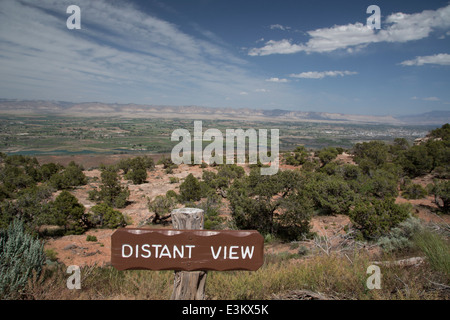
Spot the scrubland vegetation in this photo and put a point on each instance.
(279, 206)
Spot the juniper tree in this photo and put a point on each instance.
(272, 204)
(68, 212)
(190, 189)
(111, 191)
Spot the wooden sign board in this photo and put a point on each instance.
(186, 250)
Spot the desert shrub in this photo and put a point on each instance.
(414, 191)
(331, 194)
(71, 176)
(398, 146)
(49, 169)
(190, 189)
(168, 164)
(442, 132)
(330, 168)
(416, 161)
(212, 181)
(91, 238)
(375, 218)
(161, 206)
(439, 151)
(14, 178)
(274, 204)
(219, 182)
(370, 155)
(327, 154)
(296, 157)
(111, 191)
(213, 220)
(310, 165)
(230, 171)
(51, 255)
(211, 208)
(75, 174)
(66, 211)
(441, 192)
(4, 193)
(173, 180)
(21, 255)
(137, 175)
(382, 183)
(443, 171)
(32, 205)
(104, 216)
(18, 169)
(144, 162)
(135, 169)
(18, 172)
(171, 194)
(349, 172)
(401, 237)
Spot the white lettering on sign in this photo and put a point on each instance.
(232, 252)
(157, 251)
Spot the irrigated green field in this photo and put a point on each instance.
(38, 135)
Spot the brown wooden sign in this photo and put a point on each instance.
(186, 250)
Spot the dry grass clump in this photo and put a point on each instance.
(335, 276)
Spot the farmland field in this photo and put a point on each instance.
(53, 135)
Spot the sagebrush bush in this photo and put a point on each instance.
(401, 237)
(20, 256)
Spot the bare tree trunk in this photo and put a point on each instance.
(188, 285)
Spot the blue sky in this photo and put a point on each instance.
(293, 55)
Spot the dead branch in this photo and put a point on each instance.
(403, 262)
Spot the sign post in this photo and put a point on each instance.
(188, 285)
(187, 249)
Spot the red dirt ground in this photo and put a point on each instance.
(76, 250)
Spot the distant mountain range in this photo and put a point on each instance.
(30, 107)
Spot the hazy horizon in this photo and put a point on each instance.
(237, 108)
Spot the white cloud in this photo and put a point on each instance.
(431, 99)
(279, 27)
(322, 74)
(284, 47)
(441, 59)
(426, 99)
(397, 27)
(120, 54)
(339, 37)
(277, 80)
